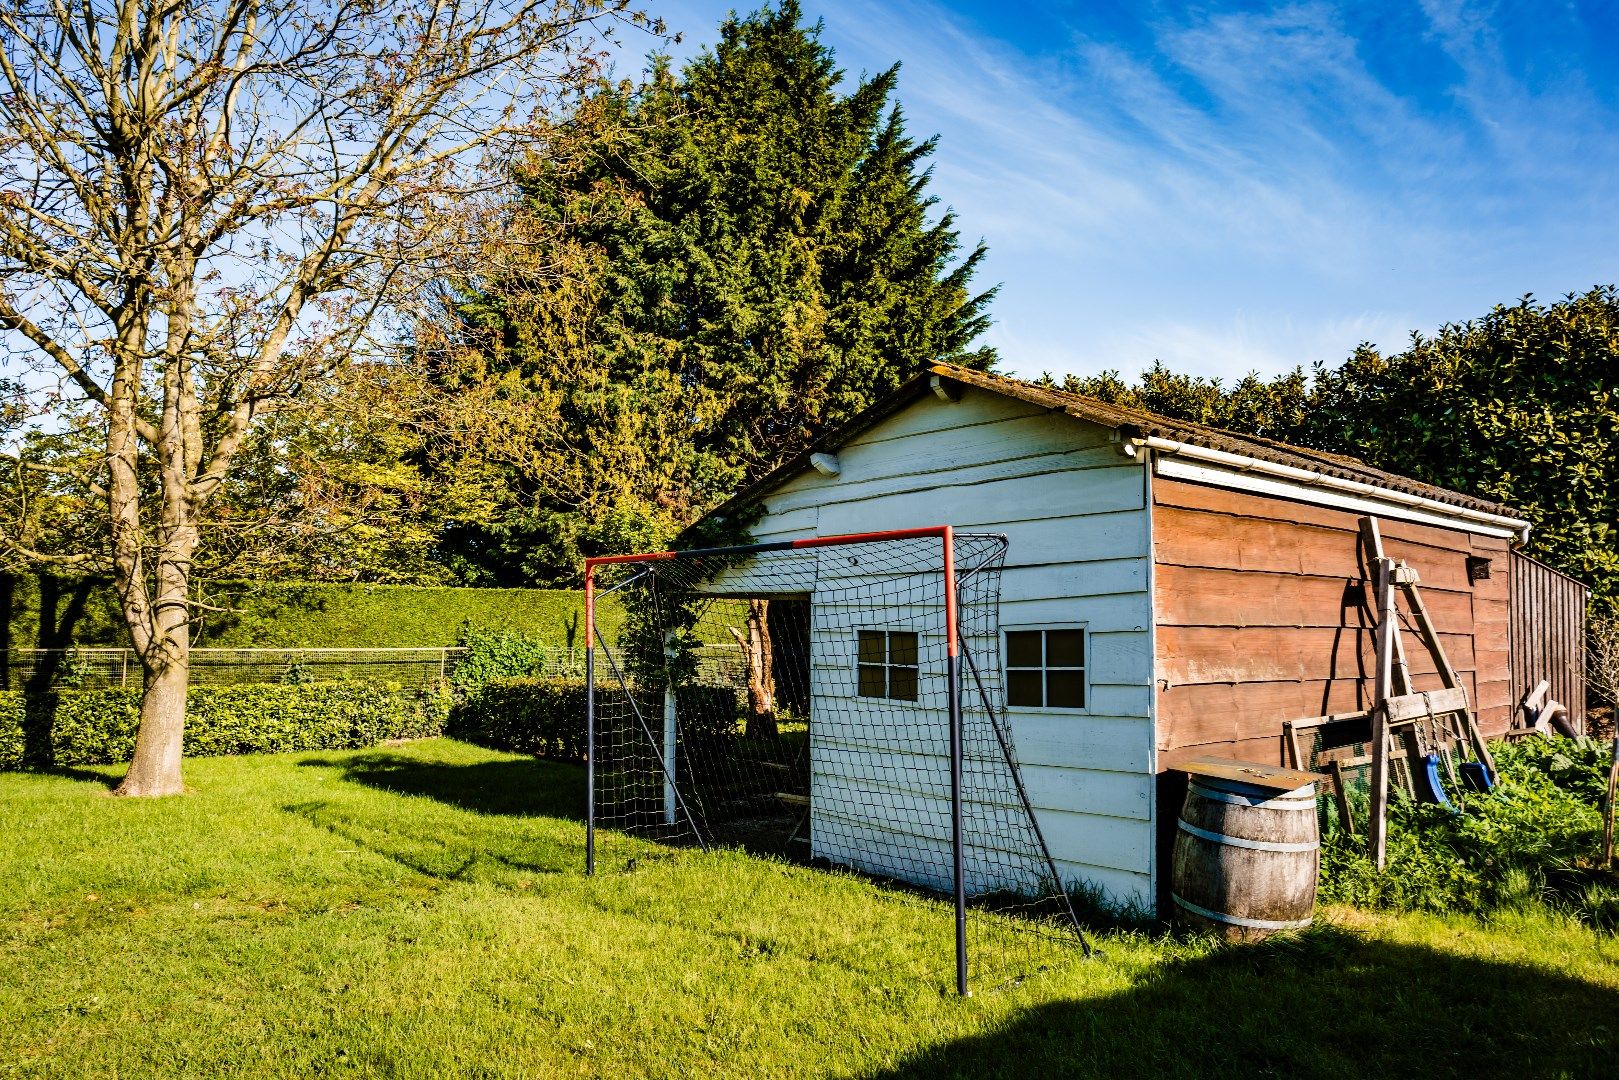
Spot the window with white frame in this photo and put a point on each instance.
(1045, 668)
(887, 664)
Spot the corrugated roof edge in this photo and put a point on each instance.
(1131, 423)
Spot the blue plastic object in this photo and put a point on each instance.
(1431, 788)
(1476, 776)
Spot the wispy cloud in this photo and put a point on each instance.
(1232, 190)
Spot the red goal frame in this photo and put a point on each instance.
(946, 536)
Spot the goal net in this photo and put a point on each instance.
(833, 701)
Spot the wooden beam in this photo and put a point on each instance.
(1405, 707)
(1292, 738)
(1447, 673)
(1341, 794)
(1377, 823)
(1310, 722)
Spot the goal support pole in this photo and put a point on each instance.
(947, 537)
(953, 679)
(590, 719)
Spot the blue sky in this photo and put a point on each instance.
(1235, 187)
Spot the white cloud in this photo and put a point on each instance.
(1246, 190)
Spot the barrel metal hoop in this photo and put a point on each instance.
(1237, 841)
(1238, 920)
(1274, 802)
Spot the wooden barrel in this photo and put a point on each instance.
(1246, 858)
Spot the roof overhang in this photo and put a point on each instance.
(1182, 449)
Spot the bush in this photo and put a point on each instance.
(84, 611)
(1535, 837)
(499, 654)
(546, 717)
(97, 727)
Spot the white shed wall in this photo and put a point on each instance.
(1075, 512)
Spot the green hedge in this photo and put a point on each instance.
(546, 717)
(308, 616)
(97, 727)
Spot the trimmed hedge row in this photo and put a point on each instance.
(84, 612)
(97, 727)
(543, 717)
(546, 717)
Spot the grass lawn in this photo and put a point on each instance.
(420, 911)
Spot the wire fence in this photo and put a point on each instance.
(416, 667)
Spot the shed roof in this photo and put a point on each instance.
(1131, 423)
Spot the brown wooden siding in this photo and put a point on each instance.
(1547, 633)
(1262, 609)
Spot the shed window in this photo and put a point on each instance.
(887, 664)
(1046, 668)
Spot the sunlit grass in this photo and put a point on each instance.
(420, 911)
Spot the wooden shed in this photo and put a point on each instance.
(1218, 582)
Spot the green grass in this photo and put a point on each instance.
(419, 911)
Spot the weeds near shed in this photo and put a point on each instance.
(1533, 840)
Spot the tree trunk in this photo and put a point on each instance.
(761, 682)
(166, 669)
(155, 769)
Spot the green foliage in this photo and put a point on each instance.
(1520, 406)
(752, 257)
(1533, 837)
(51, 612)
(546, 716)
(95, 727)
(503, 654)
(1270, 408)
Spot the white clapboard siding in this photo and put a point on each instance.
(1074, 511)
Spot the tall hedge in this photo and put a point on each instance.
(49, 612)
(97, 727)
(546, 717)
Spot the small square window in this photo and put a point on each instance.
(887, 665)
(1023, 648)
(1023, 688)
(1046, 668)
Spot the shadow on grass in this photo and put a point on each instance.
(69, 772)
(1329, 1003)
(527, 788)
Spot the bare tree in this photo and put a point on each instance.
(1602, 675)
(205, 207)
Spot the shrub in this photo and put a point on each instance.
(97, 727)
(1533, 837)
(304, 615)
(499, 654)
(546, 717)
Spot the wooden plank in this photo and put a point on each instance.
(1340, 791)
(1191, 715)
(1182, 494)
(1405, 707)
(1276, 654)
(1291, 737)
(1058, 489)
(1312, 722)
(1377, 822)
(1270, 777)
(1215, 596)
(1107, 743)
(1189, 538)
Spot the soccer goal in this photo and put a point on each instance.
(833, 700)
